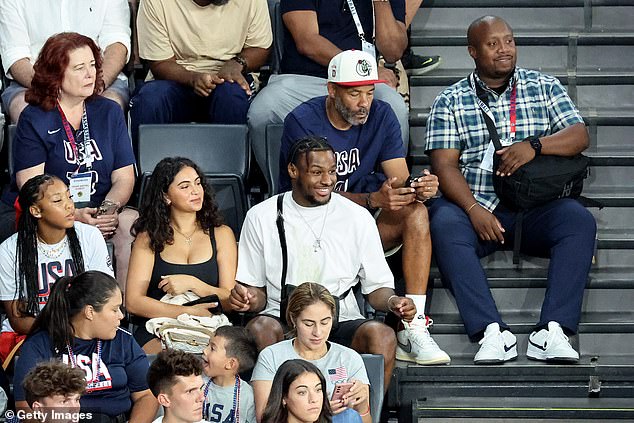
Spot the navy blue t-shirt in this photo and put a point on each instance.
(40, 138)
(123, 369)
(336, 25)
(360, 149)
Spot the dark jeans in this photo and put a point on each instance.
(562, 230)
(163, 101)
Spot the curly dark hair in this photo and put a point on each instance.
(154, 213)
(51, 64)
(53, 378)
(26, 248)
(169, 364)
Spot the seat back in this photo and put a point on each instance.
(10, 135)
(374, 368)
(221, 151)
(277, 26)
(273, 144)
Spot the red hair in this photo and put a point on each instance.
(51, 64)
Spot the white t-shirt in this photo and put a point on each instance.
(351, 251)
(160, 420)
(94, 252)
(340, 364)
(25, 25)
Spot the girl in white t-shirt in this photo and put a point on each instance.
(49, 244)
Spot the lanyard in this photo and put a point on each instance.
(236, 400)
(73, 363)
(79, 150)
(487, 111)
(357, 21)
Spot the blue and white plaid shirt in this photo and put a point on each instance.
(456, 122)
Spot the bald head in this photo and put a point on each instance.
(479, 27)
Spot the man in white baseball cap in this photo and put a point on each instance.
(372, 172)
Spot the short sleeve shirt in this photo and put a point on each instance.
(456, 122)
(336, 25)
(340, 364)
(201, 38)
(360, 150)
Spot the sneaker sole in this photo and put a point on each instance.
(405, 357)
(422, 71)
(537, 356)
(508, 356)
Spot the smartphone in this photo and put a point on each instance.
(213, 298)
(107, 207)
(408, 182)
(340, 390)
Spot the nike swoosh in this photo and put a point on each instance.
(54, 132)
(405, 347)
(507, 349)
(537, 345)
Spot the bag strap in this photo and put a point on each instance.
(483, 104)
(282, 234)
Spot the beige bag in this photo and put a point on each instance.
(185, 338)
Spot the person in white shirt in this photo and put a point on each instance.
(25, 26)
(330, 240)
(175, 380)
(49, 244)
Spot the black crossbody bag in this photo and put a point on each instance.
(543, 179)
(287, 290)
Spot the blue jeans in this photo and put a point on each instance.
(163, 101)
(562, 230)
(347, 416)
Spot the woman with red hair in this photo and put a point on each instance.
(69, 131)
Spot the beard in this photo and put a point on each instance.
(349, 115)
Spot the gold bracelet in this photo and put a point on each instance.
(470, 207)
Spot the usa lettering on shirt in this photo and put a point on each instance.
(348, 161)
(92, 151)
(49, 273)
(90, 366)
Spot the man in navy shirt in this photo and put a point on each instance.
(315, 31)
(365, 135)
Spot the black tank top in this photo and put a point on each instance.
(206, 271)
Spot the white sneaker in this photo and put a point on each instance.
(496, 347)
(551, 344)
(415, 344)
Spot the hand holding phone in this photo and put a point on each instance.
(107, 207)
(340, 390)
(409, 181)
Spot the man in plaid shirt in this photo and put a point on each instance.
(469, 222)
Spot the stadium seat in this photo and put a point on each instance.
(273, 142)
(221, 151)
(374, 367)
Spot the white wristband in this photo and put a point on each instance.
(388, 301)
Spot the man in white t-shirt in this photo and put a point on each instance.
(25, 25)
(175, 380)
(330, 240)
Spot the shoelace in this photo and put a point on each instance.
(490, 335)
(420, 333)
(556, 337)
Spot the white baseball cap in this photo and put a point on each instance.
(352, 68)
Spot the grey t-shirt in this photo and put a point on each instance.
(218, 406)
(340, 364)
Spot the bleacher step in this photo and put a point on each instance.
(587, 409)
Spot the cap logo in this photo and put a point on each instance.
(363, 68)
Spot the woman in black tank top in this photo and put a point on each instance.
(181, 245)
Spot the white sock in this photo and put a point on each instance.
(419, 302)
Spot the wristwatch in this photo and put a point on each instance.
(535, 143)
(242, 61)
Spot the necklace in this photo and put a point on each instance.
(188, 238)
(53, 252)
(234, 414)
(317, 243)
(92, 384)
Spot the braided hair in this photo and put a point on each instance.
(26, 258)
